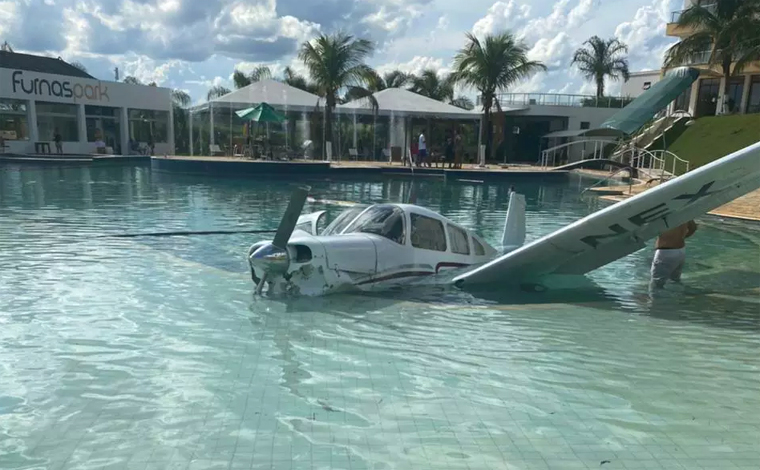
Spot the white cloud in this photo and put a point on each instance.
(416, 65)
(645, 33)
(552, 52)
(501, 16)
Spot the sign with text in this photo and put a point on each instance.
(27, 85)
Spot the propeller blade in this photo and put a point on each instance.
(290, 217)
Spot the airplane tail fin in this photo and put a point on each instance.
(514, 225)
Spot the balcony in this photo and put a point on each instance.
(673, 29)
(555, 99)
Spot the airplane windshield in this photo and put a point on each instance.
(343, 219)
(386, 221)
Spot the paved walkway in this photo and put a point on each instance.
(746, 207)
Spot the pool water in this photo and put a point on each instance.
(153, 353)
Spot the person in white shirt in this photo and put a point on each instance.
(422, 149)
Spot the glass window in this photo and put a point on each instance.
(735, 91)
(479, 250)
(427, 233)
(57, 116)
(753, 106)
(101, 111)
(707, 99)
(386, 221)
(13, 123)
(682, 102)
(148, 125)
(458, 240)
(343, 219)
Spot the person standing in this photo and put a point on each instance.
(58, 141)
(421, 149)
(670, 254)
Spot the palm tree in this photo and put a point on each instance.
(494, 64)
(463, 102)
(727, 30)
(600, 58)
(376, 82)
(216, 92)
(181, 98)
(258, 74)
(336, 62)
(79, 65)
(131, 80)
(430, 84)
(296, 80)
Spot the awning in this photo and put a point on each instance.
(639, 111)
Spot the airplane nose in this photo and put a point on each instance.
(270, 259)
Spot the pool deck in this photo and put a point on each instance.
(746, 207)
(265, 168)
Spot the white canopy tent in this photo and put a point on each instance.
(279, 95)
(404, 104)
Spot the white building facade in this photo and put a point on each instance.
(34, 106)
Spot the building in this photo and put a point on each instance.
(707, 92)
(532, 122)
(42, 95)
(639, 82)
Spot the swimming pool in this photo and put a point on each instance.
(152, 353)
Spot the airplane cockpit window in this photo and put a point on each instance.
(427, 233)
(343, 219)
(386, 221)
(458, 240)
(479, 249)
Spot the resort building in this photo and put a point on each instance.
(43, 96)
(705, 95)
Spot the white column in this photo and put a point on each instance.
(720, 109)
(745, 93)
(170, 131)
(355, 131)
(82, 125)
(190, 126)
(693, 97)
(31, 119)
(211, 126)
(124, 130)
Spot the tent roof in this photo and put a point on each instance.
(404, 102)
(277, 94)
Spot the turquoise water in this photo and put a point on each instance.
(153, 353)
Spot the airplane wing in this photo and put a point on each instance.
(623, 228)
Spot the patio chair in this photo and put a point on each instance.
(353, 154)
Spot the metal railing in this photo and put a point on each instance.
(664, 162)
(558, 99)
(676, 15)
(612, 175)
(677, 162)
(550, 154)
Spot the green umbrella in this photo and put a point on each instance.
(261, 113)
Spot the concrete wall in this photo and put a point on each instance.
(33, 87)
(575, 115)
(635, 85)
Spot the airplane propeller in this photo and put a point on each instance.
(273, 258)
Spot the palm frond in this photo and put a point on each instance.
(181, 98)
(216, 92)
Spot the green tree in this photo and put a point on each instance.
(258, 74)
(491, 65)
(335, 63)
(78, 65)
(430, 84)
(216, 92)
(727, 30)
(377, 82)
(131, 80)
(600, 58)
(296, 80)
(463, 102)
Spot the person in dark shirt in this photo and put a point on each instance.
(58, 140)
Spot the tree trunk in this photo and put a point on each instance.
(723, 105)
(487, 129)
(600, 86)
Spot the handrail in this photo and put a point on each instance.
(676, 160)
(608, 177)
(598, 149)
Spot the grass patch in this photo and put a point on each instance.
(710, 138)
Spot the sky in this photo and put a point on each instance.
(196, 44)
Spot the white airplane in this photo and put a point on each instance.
(376, 247)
